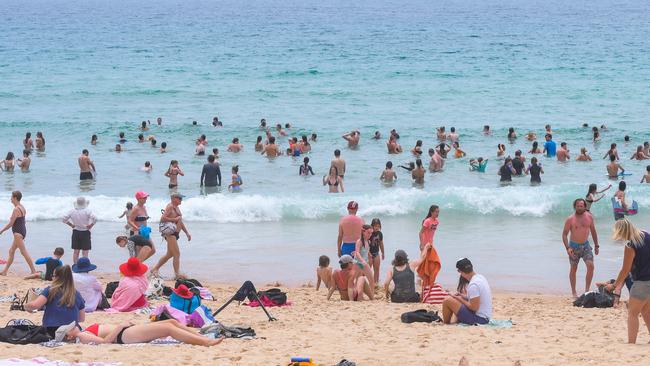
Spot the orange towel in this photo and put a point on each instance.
(429, 268)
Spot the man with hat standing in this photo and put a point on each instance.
(350, 228)
(87, 284)
(81, 220)
(474, 309)
(171, 224)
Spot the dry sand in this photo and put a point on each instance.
(548, 330)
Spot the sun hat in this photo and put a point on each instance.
(141, 194)
(63, 330)
(345, 259)
(353, 205)
(81, 203)
(83, 265)
(183, 292)
(133, 267)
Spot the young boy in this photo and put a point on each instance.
(138, 245)
(323, 272)
(51, 263)
(388, 175)
(646, 177)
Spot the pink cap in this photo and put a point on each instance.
(141, 194)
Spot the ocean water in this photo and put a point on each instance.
(73, 69)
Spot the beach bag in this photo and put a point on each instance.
(103, 304)
(167, 228)
(434, 294)
(155, 287)
(275, 295)
(110, 288)
(421, 315)
(23, 331)
(188, 282)
(186, 305)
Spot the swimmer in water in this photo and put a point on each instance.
(122, 138)
(216, 122)
(592, 193)
(215, 153)
(639, 154)
(646, 176)
(140, 138)
(393, 146)
(40, 142)
(172, 173)
(8, 164)
(531, 136)
(313, 137)
(143, 126)
(417, 150)
(279, 130)
(271, 149)
(237, 182)
(512, 135)
(200, 150)
(501, 150)
(25, 161)
(352, 138)
(377, 136)
(305, 146)
(486, 130)
(305, 168)
(440, 133)
(437, 162)
(388, 175)
(613, 151)
(93, 140)
(443, 149)
(548, 129)
(613, 167)
(27, 142)
(418, 173)
(458, 152)
(259, 146)
(478, 165)
(118, 148)
(596, 137)
(263, 124)
(163, 147)
(295, 148)
(646, 148)
(159, 121)
(583, 155)
(334, 181)
(563, 153)
(394, 133)
(235, 146)
(202, 140)
(153, 142)
(147, 167)
(535, 148)
(453, 136)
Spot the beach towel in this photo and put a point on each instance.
(434, 294)
(42, 361)
(129, 294)
(428, 271)
(266, 302)
(494, 323)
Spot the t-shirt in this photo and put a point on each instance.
(89, 288)
(430, 226)
(550, 148)
(518, 165)
(211, 175)
(56, 315)
(506, 173)
(641, 265)
(478, 286)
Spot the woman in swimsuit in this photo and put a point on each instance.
(8, 163)
(138, 216)
(535, 149)
(305, 169)
(333, 181)
(237, 182)
(305, 146)
(591, 194)
(417, 150)
(27, 142)
(18, 228)
(172, 173)
(40, 141)
(259, 146)
(134, 333)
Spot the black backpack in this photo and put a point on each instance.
(421, 315)
(110, 288)
(23, 331)
(275, 295)
(188, 282)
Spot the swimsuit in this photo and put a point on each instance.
(85, 176)
(118, 339)
(93, 329)
(19, 225)
(347, 248)
(376, 237)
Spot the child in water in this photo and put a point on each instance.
(478, 165)
(126, 213)
(237, 182)
(323, 272)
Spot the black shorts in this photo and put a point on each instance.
(85, 175)
(81, 240)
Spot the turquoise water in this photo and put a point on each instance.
(73, 69)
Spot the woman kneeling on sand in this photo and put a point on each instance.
(130, 333)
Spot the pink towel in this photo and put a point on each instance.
(128, 292)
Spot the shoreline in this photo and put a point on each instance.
(324, 330)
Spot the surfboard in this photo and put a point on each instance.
(633, 209)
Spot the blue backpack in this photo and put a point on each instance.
(186, 305)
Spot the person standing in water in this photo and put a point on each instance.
(271, 149)
(388, 176)
(613, 167)
(535, 170)
(19, 230)
(418, 173)
(350, 227)
(305, 169)
(40, 142)
(86, 166)
(172, 173)
(352, 138)
(171, 224)
(338, 163)
(575, 237)
(334, 181)
(550, 148)
(429, 226)
(25, 162)
(211, 173)
(237, 182)
(591, 195)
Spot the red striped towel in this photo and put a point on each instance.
(433, 294)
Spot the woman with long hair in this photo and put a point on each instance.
(592, 192)
(63, 303)
(19, 230)
(636, 260)
(333, 181)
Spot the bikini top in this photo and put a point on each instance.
(329, 182)
(141, 218)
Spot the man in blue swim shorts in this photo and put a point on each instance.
(349, 230)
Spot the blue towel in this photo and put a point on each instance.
(494, 323)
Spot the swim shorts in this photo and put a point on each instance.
(583, 251)
(85, 176)
(347, 248)
(81, 240)
(467, 316)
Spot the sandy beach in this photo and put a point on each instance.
(547, 330)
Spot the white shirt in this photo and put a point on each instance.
(89, 288)
(479, 287)
(80, 218)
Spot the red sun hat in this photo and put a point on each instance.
(133, 267)
(183, 292)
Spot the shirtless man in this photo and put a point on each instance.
(338, 163)
(25, 161)
(577, 246)
(440, 133)
(584, 156)
(563, 152)
(639, 154)
(173, 218)
(418, 173)
(271, 149)
(388, 175)
(86, 166)
(235, 146)
(353, 280)
(613, 167)
(279, 130)
(352, 138)
(393, 146)
(349, 230)
(437, 162)
(453, 136)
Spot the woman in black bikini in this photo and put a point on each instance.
(333, 180)
(138, 216)
(18, 228)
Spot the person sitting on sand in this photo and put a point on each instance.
(129, 294)
(353, 280)
(474, 309)
(87, 284)
(51, 264)
(388, 176)
(130, 333)
(402, 277)
(323, 272)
